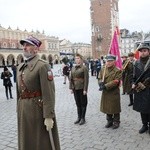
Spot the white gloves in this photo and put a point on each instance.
(49, 123)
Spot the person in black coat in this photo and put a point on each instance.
(14, 69)
(142, 87)
(6, 75)
(66, 71)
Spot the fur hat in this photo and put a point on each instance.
(143, 46)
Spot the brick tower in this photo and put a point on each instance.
(104, 20)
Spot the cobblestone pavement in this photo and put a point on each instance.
(91, 136)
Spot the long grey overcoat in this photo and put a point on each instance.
(32, 133)
(110, 99)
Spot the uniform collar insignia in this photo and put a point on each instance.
(33, 62)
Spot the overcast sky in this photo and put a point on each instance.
(69, 19)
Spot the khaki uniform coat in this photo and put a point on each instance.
(110, 99)
(32, 133)
(79, 78)
(127, 75)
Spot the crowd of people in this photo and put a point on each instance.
(36, 92)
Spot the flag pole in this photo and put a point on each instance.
(129, 60)
(107, 54)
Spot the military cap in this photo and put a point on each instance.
(110, 57)
(31, 40)
(143, 46)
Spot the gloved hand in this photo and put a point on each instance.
(101, 86)
(140, 86)
(147, 82)
(49, 123)
(84, 92)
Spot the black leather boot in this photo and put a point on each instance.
(109, 124)
(115, 125)
(143, 129)
(77, 121)
(131, 99)
(79, 111)
(82, 121)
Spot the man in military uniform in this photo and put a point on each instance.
(127, 74)
(35, 101)
(109, 81)
(79, 79)
(141, 86)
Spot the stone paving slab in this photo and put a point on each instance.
(91, 136)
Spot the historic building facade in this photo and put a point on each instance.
(70, 49)
(50, 50)
(129, 39)
(11, 49)
(104, 20)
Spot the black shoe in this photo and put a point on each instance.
(130, 104)
(143, 129)
(64, 83)
(115, 125)
(109, 124)
(77, 121)
(11, 97)
(82, 121)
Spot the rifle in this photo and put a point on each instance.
(142, 75)
(147, 66)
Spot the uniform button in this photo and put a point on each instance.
(22, 90)
(23, 73)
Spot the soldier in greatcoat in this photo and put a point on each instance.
(110, 99)
(141, 86)
(35, 101)
(127, 75)
(79, 79)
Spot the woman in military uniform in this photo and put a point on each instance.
(109, 81)
(79, 79)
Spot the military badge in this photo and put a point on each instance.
(50, 75)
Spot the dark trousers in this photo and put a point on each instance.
(113, 118)
(81, 103)
(131, 98)
(6, 91)
(145, 119)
